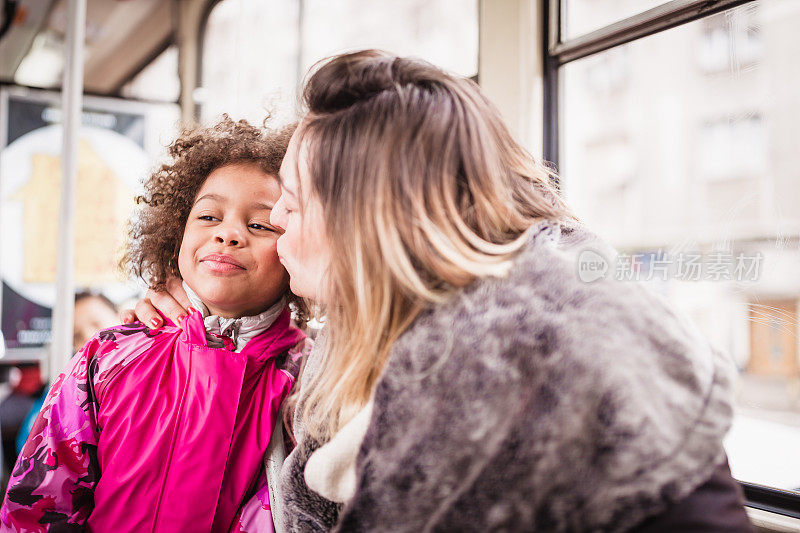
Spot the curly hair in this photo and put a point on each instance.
(156, 231)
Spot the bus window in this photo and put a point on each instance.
(255, 53)
(679, 148)
(158, 81)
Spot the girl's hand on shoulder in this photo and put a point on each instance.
(173, 303)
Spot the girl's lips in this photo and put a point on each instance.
(220, 267)
(221, 263)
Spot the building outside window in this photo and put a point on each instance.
(680, 147)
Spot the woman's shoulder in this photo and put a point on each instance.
(564, 275)
(594, 366)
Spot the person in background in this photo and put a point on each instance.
(93, 312)
(27, 387)
(18, 410)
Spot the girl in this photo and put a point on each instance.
(166, 429)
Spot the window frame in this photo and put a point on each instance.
(558, 52)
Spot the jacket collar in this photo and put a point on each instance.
(236, 331)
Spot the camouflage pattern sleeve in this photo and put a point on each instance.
(296, 356)
(255, 515)
(53, 480)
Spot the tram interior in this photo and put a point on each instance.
(671, 125)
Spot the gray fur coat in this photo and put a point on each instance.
(534, 402)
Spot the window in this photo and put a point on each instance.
(444, 32)
(255, 53)
(249, 60)
(732, 147)
(673, 134)
(730, 41)
(157, 81)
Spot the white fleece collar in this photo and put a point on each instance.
(331, 469)
(239, 330)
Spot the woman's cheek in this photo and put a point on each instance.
(288, 239)
(285, 257)
(279, 245)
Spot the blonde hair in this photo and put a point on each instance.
(423, 190)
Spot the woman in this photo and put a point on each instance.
(468, 380)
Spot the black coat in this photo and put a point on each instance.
(717, 505)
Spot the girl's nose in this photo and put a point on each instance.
(228, 236)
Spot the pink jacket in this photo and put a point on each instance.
(152, 430)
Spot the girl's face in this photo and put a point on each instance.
(228, 254)
(303, 247)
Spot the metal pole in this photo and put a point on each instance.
(71, 105)
(301, 15)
